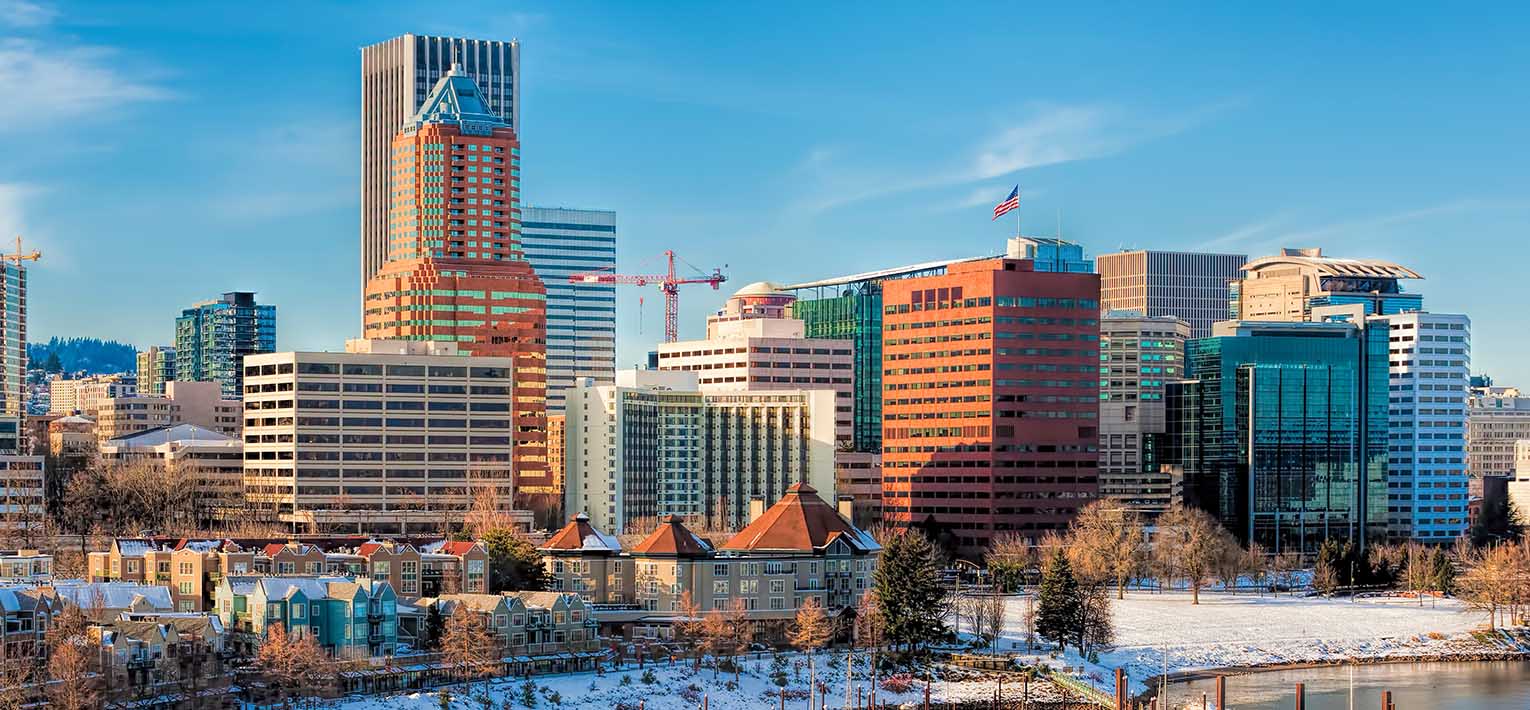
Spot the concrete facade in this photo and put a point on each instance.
(1138, 355)
(1191, 286)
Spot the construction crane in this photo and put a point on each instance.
(20, 255)
(669, 283)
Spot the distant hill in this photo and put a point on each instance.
(92, 356)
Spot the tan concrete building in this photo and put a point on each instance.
(1191, 286)
(191, 569)
(1498, 418)
(199, 403)
(387, 437)
(654, 444)
(1286, 287)
(91, 392)
(24, 484)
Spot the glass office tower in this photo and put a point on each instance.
(1282, 432)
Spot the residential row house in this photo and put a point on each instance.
(348, 617)
(25, 566)
(540, 632)
(167, 657)
(191, 569)
(799, 548)
(28, 612)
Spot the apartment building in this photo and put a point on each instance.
(90, 392)
(1497, 418)
(27, 613)
(25, 566)
(347, 617)
(654, 444)
(23, 493)
(800, 547)
(189, 569)
(212, 463)
(389, 437)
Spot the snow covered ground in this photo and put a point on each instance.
(1232, 630)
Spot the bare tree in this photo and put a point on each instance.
(1008, 557)
(1106, 543)
(295, 666)
(1189, 543)
(688, 624)
(1258, 564)
(1232, 562)
(70, 662)
(810, 631)
(466, 645)
(1494, 581)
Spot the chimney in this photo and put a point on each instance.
(756, 508)
(846, 506)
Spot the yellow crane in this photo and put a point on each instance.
(20, 255)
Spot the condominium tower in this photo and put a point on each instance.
(654, 444)
(13, 354)
(990, 400)
(212, 336)
(396, 76)
(1190, 286)
(581, 317)
(455, 272)
(1139, 355)
(156, 366)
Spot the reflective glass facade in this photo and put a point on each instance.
(1282, 433)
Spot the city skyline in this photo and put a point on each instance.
(1228, 143)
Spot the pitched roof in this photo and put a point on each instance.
(673, 538)
(476, 602)
(538, 600)
(456, 100)
(450, 547)
(133, 547)
(579, 534)
(800, 522)
(116, 595)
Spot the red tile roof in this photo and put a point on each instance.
(456, 548)
(799, 522)
(673, 539)
(579, 534)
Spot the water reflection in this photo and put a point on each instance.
(1422, 686)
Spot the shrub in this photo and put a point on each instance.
(626, 680)
(898, 683)
(445, 699)
(529, 693)
(648, 677)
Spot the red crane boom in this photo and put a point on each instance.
(669, 283)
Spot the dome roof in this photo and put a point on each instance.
(761, 288)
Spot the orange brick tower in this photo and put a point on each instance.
(455, 271)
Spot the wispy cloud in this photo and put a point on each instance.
(1047, 134)
(25, 14)
(57, 81)
(15, 198)
(1366, 226)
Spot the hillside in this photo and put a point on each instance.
(90, 355)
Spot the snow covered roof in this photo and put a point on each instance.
(133, 547)
(116, 595)
(168, 434)
(579, 534)
(284, 587)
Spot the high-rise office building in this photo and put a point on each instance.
(1282, 432)
(387, 437)
(212, 336)
(1431, 356)
(455, 271)
(156, 366)
(1289, 286)
(990, 400)
(654, 444)
(850, 307)
(1139, 355)
(1498, 417)
(1190, 286)
(396, 77)
(581, 317)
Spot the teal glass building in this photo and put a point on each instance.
(212, 338)
(1281, 432)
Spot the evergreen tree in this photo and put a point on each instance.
(514, 563)
(1058, 602)
(435, 626)
(912, 598)
(1442, 572)
(53, 364)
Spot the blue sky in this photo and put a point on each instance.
(165, 152)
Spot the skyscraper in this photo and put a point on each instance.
(396, 76)
(581, 317)
(13, 354)
(213, 336)
(1282, 432)
(156, 366)
(1188, 285)
(990, 400)
(455, 271)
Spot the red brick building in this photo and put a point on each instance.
(455, 271)
(990, 400)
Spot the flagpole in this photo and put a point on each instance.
(1017, 217)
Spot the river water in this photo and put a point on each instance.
(1420, 686)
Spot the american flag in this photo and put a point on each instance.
(1010, 203)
